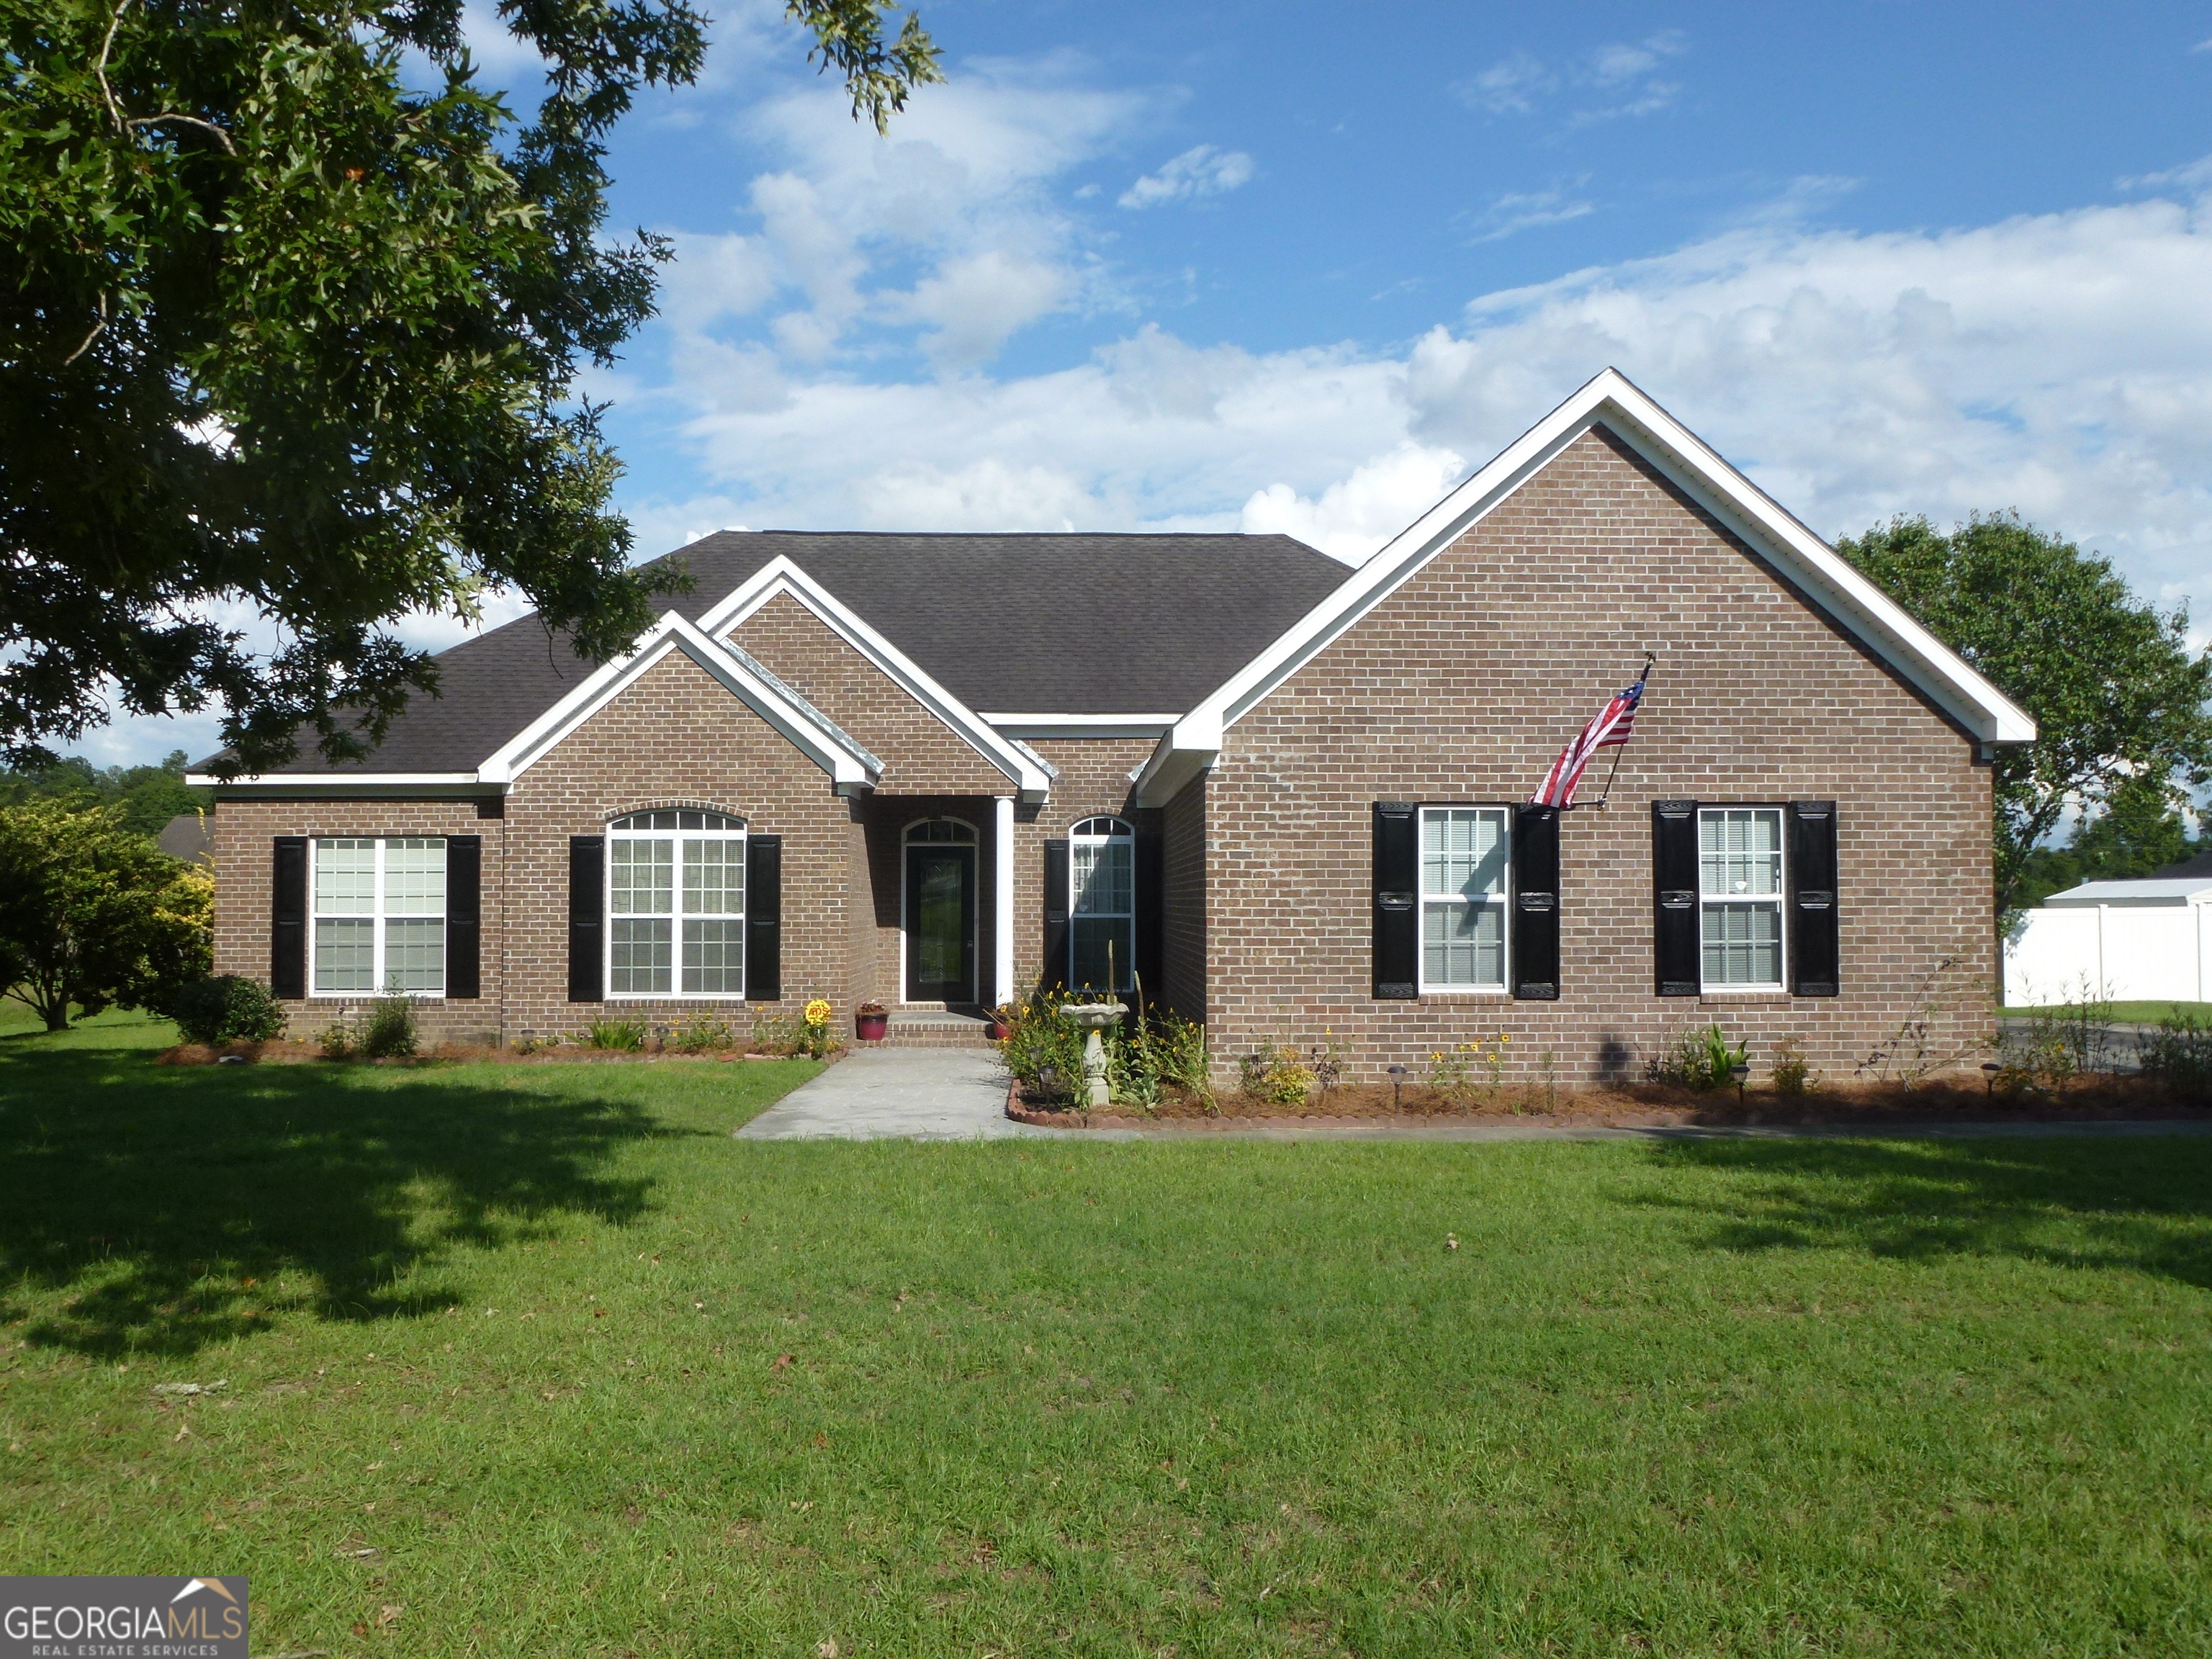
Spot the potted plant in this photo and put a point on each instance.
(1002, 1023)
(870, 1021)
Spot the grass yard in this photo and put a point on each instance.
(2125, 1013)
(538, 1360)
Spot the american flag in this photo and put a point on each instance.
(1611, 728)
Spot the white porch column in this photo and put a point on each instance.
(1002, 897)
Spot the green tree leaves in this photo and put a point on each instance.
(279, 329)
(2118, 696)
(93, 914)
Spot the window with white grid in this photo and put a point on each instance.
(379, 916)
(1101, 873)
(1739, 896)
(676, 905)
(1466, 852)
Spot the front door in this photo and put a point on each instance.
(940, 924)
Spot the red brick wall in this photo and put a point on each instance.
(1464, 684)
(676, 738)
(244, 838)
(921, 755)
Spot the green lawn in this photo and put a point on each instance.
(2127, 1014)
(540, 1360)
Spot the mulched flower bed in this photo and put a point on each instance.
(1645, 1106)
(288, 1052)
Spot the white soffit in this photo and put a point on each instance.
(781, 575)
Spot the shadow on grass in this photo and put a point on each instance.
(168, 1205)
(2141, 1204)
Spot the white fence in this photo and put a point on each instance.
(2121, 952)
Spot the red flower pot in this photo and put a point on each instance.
(871, 1027)
(1000, 1030)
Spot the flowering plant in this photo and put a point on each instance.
(816, 1013)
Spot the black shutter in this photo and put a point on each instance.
(287, 919)
(1150, 913)
(1397, 900)
(588, 905)
(1816, 947)
(1536, 903)
(1055, 915)
(763, 918)
(463, 910)
(1674, 897)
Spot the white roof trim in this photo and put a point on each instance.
(291, 780)
(846, 763)
(781, 575)
(1612, 400)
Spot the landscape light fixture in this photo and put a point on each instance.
(1741, 1073)
(1397, 1076)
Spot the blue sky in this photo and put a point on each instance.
(1302, 267)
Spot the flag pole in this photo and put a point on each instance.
(1605, 794)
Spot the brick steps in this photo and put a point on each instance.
(930, 1028)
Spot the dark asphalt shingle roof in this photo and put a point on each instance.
(1076, 623)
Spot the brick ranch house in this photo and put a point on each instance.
(934, 769)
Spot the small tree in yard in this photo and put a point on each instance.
(94, 915)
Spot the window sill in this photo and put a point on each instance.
(1466, 994)
(1751, 999)
(372, 996)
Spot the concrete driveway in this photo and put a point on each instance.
(897, 1094)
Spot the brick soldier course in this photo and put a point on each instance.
(1240, 705)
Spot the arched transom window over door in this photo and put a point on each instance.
(1101, 873)
(940, 911)
(676, 905)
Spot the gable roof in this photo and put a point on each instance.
(1612, 400)
(1087, 625)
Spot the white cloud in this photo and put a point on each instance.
(2060, 364)
(1519, 211)
(1516, 85)
(1199, 171)
(950, 222)
(1355, 516)
(1511, 86)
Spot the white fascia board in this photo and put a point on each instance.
(781, 575)
(343, 782)
(1190, 747)
(1611, 400)
(673, 633)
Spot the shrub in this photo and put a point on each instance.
(388, 1033)
(1447, 1071)
(1277, 1075)
(1792, 1076)
(227, 1009)
(1041, 1049)
(620, 1036)
(1699, 1060)
(335, 1042)
(702, 1034)
(2179, 1052)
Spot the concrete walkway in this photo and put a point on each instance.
(897, 1094)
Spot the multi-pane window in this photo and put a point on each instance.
(1465, 855)
(676, 905)
(1101, 873)
(1740, 894)
(379, 916)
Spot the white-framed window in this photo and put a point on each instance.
(1466, 871)
(1740, 895)
(379, 916)
(1102, 906)
(676, 905)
